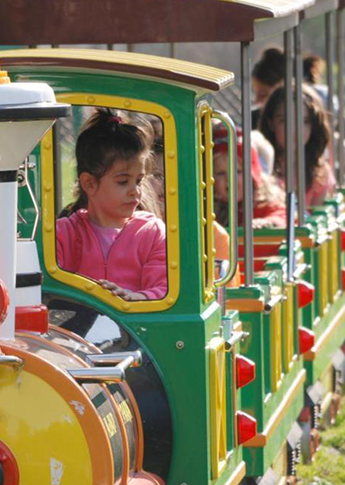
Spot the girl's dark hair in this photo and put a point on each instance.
(313, 67)
(270, 68)
(105, 138)
(319, 132)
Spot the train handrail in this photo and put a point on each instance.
(233, 247)
(13, 361)
(123, 361)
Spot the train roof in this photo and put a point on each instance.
(321, 7)
(35, 22)
(193, 76)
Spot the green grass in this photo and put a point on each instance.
(328, 466)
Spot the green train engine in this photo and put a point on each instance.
(187, 389)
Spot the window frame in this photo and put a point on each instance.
(172, 207)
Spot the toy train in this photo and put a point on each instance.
(208, 385)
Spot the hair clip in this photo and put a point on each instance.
(115, 119)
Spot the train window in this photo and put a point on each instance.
(94, 242)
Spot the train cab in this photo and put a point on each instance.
(188, 387)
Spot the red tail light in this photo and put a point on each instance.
(306, 339)
(32, 318)
(305, 293)
(246, 427)
(4, 301)
(245, 371)
(343, 277)
(342, 240)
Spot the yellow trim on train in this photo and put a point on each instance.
(173, 235)
(333, 265)
(262, 439)
(238, 474)
(288, 326)
(276, 347)
(217, 397)
(327, 334)
(207, 216)
(323, 272)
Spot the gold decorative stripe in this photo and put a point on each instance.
(237, 475)
(321, 342)
(261, 439)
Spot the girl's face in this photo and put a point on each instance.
(262, 91)
(221, 174)
(278, 125)
(114, 198)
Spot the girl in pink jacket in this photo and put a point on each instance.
(108, 240)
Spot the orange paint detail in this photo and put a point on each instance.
(245, 305)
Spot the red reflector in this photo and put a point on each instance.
(245, 371)
(343, 277)
(246, 427)
(9, 465)
(342, 240)
(32, 318)
(305, 293)
(306, 339)
(4, 301)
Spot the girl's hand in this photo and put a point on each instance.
(260, 223)
(116, 290)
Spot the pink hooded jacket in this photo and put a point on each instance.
(136, 260)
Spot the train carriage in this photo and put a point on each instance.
(189, 387)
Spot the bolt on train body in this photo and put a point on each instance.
(209, 385)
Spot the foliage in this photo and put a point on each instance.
(328, 466)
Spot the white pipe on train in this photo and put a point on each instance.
(8, 228)
(27, 111)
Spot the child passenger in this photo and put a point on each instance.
(156, 179)
(109, 240)
(320, 180)
(268, 73)
(268, 198)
